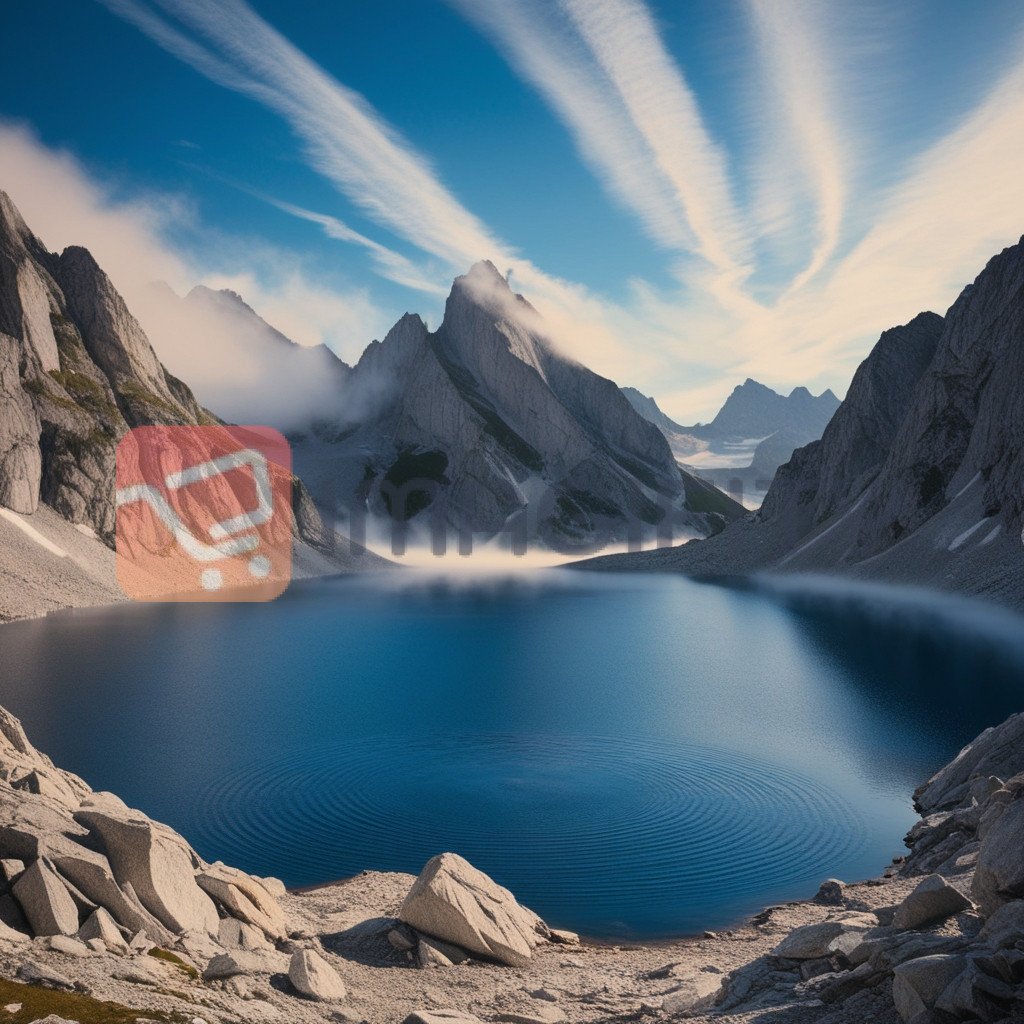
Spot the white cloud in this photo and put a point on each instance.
(65, 205)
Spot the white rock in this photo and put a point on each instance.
(69, 946)
(453, 901)
(694, 992)
(315, 978)
(441, 1017)
(159, 868)
(100, 925)
(45, 899)
(246, 898)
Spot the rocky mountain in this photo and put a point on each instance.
(917, 478)
(648, 407)
(755, 432)
(76, 372)
(753, 410)
(483, 428)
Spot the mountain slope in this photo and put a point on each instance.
(486, 425)
(918, 477)
(76, 372)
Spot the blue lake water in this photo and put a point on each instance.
(632, 756)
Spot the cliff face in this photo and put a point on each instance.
(918, 477)
(76, 372)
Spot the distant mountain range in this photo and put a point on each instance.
(919, 476)
(754, 433)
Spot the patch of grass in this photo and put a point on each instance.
(69, 344)
(137, 393)
(171, 958)
(88, 393)
(37, 1003)
(704, 497)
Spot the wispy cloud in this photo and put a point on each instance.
(605, 71)
(343, 136)
(800, 71)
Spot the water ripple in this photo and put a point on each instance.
(608, 835)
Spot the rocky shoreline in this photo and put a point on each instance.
(106, 915)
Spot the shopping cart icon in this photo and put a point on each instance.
(195, 504)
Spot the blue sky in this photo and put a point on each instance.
(690, 192)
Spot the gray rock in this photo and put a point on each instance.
(999, 875)
(697, 991)
(315, 978)
(68, 946)
(917, 984)
(434, 953)
(454, 902)
(830, 893)
(46, 901)
(400, 940)
(237, 934)
(224, 965)
(933, 900)
(814, 941)
(12, 936)
(1005, 926)
(33, 973)
(973, 994)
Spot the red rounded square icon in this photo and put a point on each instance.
(204, 513)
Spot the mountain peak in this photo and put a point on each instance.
(800, 393)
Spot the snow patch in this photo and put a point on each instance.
(32, 532)
(991, 536)
(968, 533)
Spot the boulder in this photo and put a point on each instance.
(68, 946)
(237, 934)
(830, 893)
(917, 984)
(453, 901)
(696, 991)
(39, 974)
(933, 900)
(814, 941)
(975, 995)
(315, 978)
(158, 866)
(999, 875)
(45, 899)
(1005, 926)
(90, 873)
(566, 938)
(246, 898)
(100, 925)
(223, 965)
(535, 1015)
